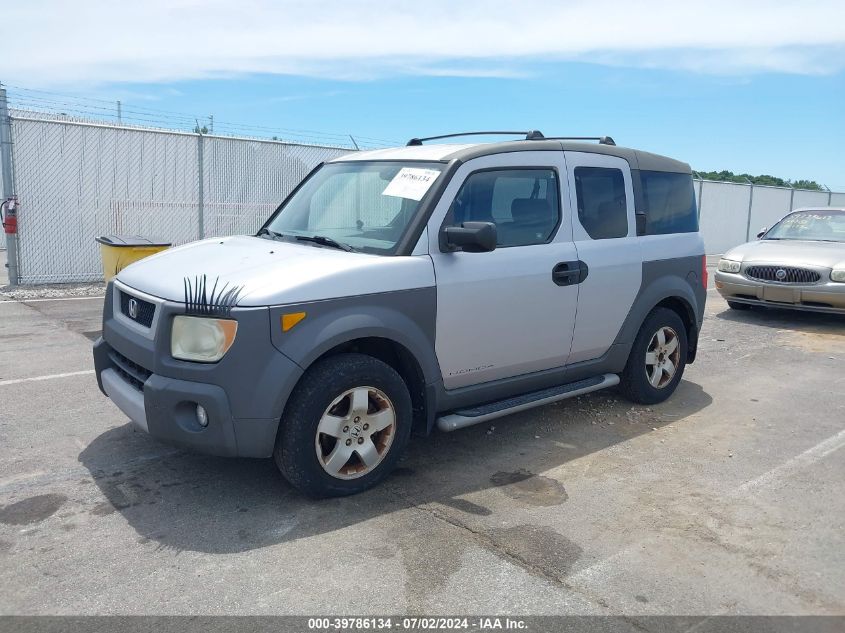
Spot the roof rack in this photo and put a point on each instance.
(603, 140)
(530, 135)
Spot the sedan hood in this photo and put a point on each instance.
(271, 272)
(790, 252)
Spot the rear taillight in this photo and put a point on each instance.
(704, 271)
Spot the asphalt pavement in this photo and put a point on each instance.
(727, 499)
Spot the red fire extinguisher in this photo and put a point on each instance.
(10, 217)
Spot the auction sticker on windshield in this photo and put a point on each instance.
(411, 183)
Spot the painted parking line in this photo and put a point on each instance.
(101, 297)
(17, 381)
(796, 464)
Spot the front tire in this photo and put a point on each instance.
(657, 360)
(345, 426)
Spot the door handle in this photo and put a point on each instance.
(569, 273)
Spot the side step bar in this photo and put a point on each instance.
(475, 415)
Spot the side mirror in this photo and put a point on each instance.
(762, 232)
(471, 237)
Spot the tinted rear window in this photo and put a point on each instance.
(669, 203)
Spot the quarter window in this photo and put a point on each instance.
(602, 206)
(669, 203)
(523, 203)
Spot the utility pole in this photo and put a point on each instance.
(211, 124)
(119, 114)
(8, 186)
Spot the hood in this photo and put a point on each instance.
(790, 252)
(273, 273)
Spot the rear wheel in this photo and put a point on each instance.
(657, 360)
(345, 426)
(736, 305)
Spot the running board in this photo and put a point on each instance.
(475, 415)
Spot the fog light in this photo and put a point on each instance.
(202, 416)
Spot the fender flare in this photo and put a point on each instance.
(407, 320)
(660, 289)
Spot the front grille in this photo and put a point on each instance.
(788, 276)
(129, 370)
(144, 310)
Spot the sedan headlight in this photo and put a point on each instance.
(729, 266)
(201, 339)
(837, 274)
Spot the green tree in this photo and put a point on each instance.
(764, 179)
(807, 184)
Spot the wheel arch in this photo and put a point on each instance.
(672, 292)
(397, 328)
(405, 363)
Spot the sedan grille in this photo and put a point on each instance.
(783, 274)
(140, 311)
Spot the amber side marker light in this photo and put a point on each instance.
(289, 320)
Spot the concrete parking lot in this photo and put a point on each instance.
(727, 499)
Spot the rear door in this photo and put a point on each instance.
(604, 231)
(506, 312)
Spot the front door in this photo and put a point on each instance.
(510, 311)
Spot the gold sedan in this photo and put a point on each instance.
(799, 263)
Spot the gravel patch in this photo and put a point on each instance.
(52, 291)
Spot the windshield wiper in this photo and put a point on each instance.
(322, 240)
(269, 233)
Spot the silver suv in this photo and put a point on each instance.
(398, 290)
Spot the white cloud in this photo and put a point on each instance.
(56, 42)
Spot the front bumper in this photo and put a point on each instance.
(823, 296)
(243, 394)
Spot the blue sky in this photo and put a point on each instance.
(763, 92)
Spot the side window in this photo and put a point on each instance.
(523, 203)
(602, 207)
(669, 203)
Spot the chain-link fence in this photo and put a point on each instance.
(733, 213)
(77, 180)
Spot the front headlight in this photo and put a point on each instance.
(729, 266)
(201, 339)
(837, 274)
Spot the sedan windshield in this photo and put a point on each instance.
(826, 225)
(356, 205)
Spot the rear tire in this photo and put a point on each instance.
(657, 359)
(736, 305)
(345, 426)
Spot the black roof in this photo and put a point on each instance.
(637, 159)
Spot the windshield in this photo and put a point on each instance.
(359, 204)
(820, 225)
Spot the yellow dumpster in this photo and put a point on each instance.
(118, 251)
